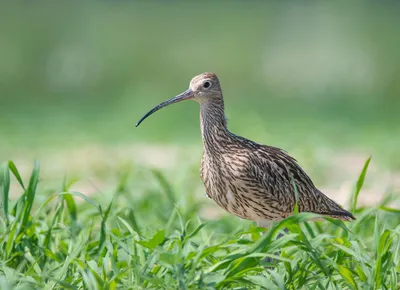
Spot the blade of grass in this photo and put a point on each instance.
(4, 189)
(360, 183)
(166, 186)
(30, 194)
(131, 217)
(265, 240)
(296, 195)
(348, 276)
(14, 170)
(103, 228)
(84, 197)
(71, 205)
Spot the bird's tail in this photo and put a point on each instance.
(348, 217)
(333, 210)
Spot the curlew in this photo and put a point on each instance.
(247, 179)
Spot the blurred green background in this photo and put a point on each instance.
(312, 77)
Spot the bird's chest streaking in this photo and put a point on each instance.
(224, 178)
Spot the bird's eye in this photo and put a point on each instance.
(206, 84)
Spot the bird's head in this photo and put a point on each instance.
(203, 88)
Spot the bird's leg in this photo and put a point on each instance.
(280, 235)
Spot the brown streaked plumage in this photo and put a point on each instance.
(249, 180)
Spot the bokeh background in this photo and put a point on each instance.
(319, 79)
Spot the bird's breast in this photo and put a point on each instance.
(222, 179)
(228, 181)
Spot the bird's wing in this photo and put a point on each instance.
(276, 177)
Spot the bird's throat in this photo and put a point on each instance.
(213, 124)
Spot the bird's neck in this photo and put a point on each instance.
(213, 124)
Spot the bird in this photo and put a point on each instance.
(249, 180)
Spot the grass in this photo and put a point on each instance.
(151, 237)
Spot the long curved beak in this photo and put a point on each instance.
(186, 95)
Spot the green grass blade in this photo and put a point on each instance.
(348, 276)
(156, 240)
(71, 205)
(359, 185)
(103, 229)
(4, 189)
(133, 220)
(296, 196)
(30, 194)
(14, 170)
(11, 239)
(389, 209)
(264, 242)
(84, 197)
(166, 186)
(195, 231)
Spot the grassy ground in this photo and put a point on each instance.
(146, 233)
